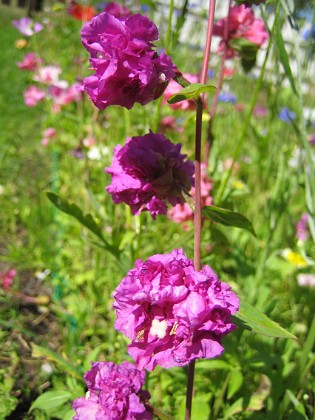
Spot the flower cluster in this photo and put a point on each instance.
(149, 172)
(127, 68)
(173, 313)
(114, 393)
(241, 24)
(55, 89)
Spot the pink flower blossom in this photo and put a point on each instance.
(48, 134)
(30, 62)
(26, 26)
(173, 313)
(302, 229)
(114, 393)
(169, 123)
(149, 172)
(173, 88)
(49, 75)
(127, 68)
(64, 96)
(7, 279)
(242, 24)
(117, 10)
(33, 95)
(183, 212)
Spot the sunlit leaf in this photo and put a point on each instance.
(250, 318)
(228, 218)
(50, 400)
(191, 92)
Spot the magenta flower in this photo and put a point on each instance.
(242, 24)
(117, 10)
(173, 313)
(127, 68)
(30, 62)
(149, 172)
(114, 393)
(33, 95)
(26, 26)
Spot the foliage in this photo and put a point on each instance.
(58, 315)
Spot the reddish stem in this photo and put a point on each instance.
(197, 215)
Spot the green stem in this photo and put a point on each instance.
(240, 142)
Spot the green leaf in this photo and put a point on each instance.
(86, 220)
(50, 400)
(253, 320)
(236, 381)
(283, 55)
(191, 92)
(228, 218)
(63, 364)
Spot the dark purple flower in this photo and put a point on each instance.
(149, 172)
(127, 68)
(173, 313)
(114, 393)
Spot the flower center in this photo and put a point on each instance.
(158, 328)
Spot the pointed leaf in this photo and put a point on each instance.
(50, 400)
(63, 364)
(283, 55)
(191, 92)
(253, 320)
(86, 220)
(228, 218)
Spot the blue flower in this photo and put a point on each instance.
(309, 34)
(227, 97)
(286, 115)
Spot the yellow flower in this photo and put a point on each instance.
(294, 258)
(20, 43)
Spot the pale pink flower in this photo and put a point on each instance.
(26, 26)
(306, 279)
(49, 75)
(33, 95)
(48, 134)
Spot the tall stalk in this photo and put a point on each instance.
(197, 214)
